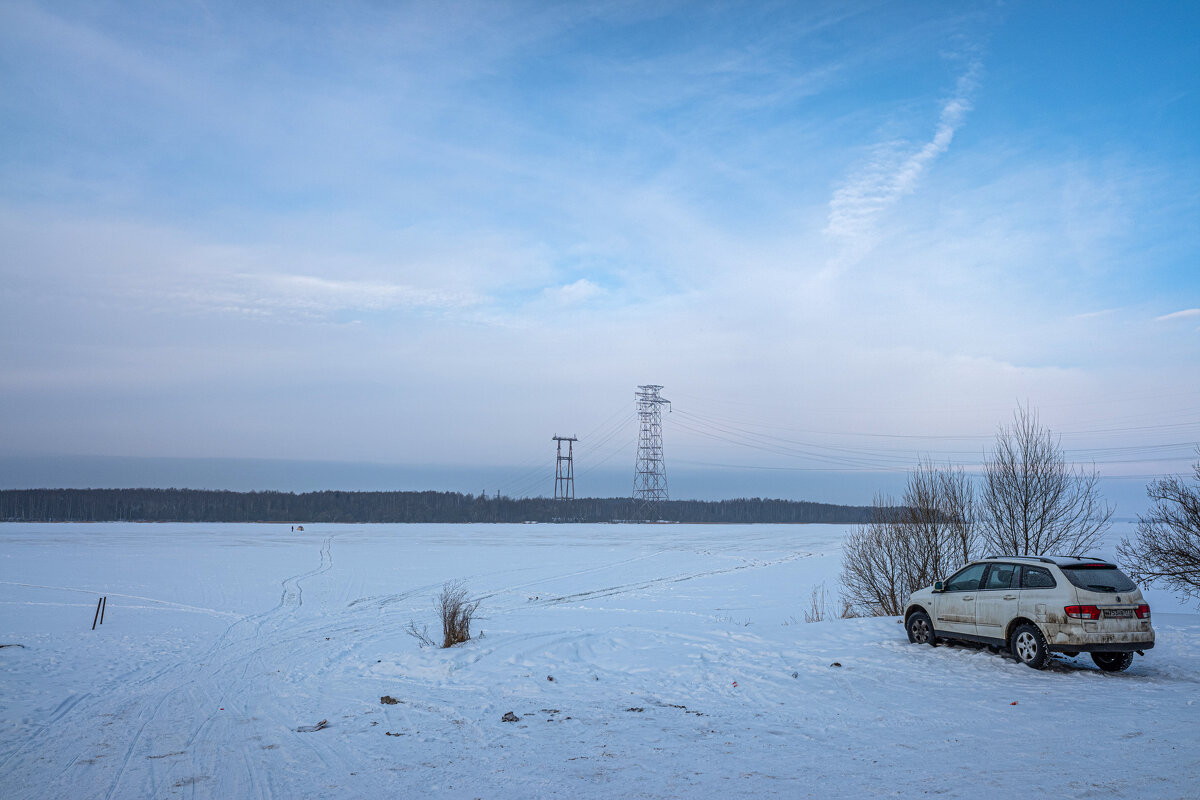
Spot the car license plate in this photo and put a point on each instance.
(1120, 613)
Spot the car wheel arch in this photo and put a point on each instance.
(913, 609)
(1015, 623)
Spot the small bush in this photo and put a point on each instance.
(821, 608)
(420, 634)
(818, 610)
(457, 611)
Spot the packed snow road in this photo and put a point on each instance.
(640, 661)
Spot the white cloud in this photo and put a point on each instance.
(1104, 312)
(1187, 312)
(311, 294)
(857, 204)
(573, 294)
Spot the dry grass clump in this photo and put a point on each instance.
(819, 607)
(456, 610)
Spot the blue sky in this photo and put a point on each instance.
(439, 233)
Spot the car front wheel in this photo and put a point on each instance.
(920, 629)
(1113, 662)
(1029, 646)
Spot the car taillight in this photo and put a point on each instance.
(1143, 611)
(1083, 612)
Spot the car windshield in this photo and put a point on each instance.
(1099, 579)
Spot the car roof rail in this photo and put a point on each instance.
(1043, 559)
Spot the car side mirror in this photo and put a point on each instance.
(937, 586)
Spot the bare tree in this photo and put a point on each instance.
(873, 558)
(938, 522)
(1033, 503)
(1166, 547)
(908, 545)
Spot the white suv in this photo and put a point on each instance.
(1032, 605)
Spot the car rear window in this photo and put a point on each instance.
(1099, 579)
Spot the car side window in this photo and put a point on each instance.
(1037, 578)
(1000, 576)
(966, 580)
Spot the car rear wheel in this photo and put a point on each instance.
(920, 629)
(1029, 646)
(1113, 662)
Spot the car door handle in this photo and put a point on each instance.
(972, 597)
(1010, 597)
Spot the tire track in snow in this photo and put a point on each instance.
(575, 574)
(201, 673)
(291, 600)
(59, 712)
(668, 579)
(94, 592)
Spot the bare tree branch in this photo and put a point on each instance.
(906, 546)
(1033, 503)
(1166, 547)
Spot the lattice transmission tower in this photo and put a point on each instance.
(564, 469)
(650, 475)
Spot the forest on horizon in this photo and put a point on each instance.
(199, 505)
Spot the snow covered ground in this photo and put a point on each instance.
(643, 661)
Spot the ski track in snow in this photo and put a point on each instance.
(638, 670)
(162, 603)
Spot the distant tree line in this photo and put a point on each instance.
(198, 505)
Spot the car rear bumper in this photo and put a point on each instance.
(1084, 637)
(1102, 647)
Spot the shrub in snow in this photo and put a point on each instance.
(908, 545)
(457, 611)
(420, 634)
(819, 607)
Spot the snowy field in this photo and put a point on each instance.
(643, 661)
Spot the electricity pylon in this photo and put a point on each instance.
(650, 476)
(564, 479)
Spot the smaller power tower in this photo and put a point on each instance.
(564, 469)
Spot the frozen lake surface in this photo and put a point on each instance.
(650, 661)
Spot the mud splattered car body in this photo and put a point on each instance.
(1032, 605)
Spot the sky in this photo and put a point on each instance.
(842, 236)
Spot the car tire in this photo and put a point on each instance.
(920, 629)
(1029, 646)
(1113, 662)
